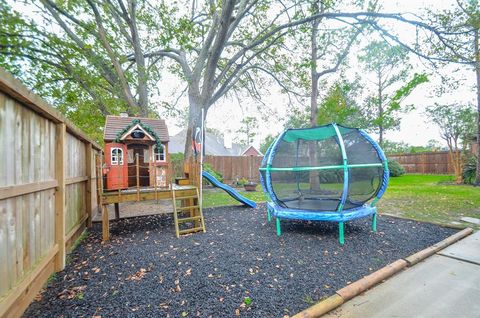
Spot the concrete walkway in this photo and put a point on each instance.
(444, 285)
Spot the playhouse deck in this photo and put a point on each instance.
(146, 193)
(187, 192)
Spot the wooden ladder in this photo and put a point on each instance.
(195, 214)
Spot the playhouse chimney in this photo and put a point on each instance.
(123, 115)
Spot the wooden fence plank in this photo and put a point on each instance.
(25, 284)
(18, 190)
(36, 157)
(88, 190)
(4, 274)
(76, 180)
(425, 162)
(233, 167)
(60, 197)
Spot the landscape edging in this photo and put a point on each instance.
(354, 289)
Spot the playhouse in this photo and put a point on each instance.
(136, 152)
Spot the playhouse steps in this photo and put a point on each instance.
(190, 214)
(186, 208)
(192, 230)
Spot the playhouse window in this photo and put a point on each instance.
(160, 153)
(117, 156)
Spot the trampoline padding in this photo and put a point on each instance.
(332, 216)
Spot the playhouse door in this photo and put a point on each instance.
(143, 160)
(117, 168)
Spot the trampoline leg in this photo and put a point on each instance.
(374, 222)
(340, 233)
(269, 216)
(279, 231)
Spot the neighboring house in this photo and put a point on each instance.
(252, 151)
(128, 138)
(214, 145)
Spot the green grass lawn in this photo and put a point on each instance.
(429, 198)
(217, 197)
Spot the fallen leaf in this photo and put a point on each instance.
(163, 305)
(138, 275)
(72, 292)
(237, 312)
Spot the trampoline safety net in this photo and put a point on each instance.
(306, 169)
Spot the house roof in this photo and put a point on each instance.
(214, 145)
(115, 124)
(252, 148)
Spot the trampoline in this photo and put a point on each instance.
(327, 173)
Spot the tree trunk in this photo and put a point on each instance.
(314, 174)
(458, 164)
(381, 130)
(142, 89)
(477, 71)
(194, 120)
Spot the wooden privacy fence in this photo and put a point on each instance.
(47, 192)
(236, 167)
(425, 162)
(233, 167)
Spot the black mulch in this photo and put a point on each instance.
(146, 272)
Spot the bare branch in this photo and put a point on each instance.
(341, 58)
(116, 64)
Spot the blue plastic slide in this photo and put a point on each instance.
(231, 191)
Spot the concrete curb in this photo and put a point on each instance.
(321, 308)
(429, 251)
(361, 285)
(348, 292)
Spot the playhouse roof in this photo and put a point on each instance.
(115, 124)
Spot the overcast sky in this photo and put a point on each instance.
(227, 114)
(415, 129)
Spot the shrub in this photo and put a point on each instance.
(396, 169)
(177, 164)
(242, 182)
(208, 168)
(469, 170)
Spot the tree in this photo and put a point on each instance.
(456, 123)
(97, 56)
(339, 106)
(229, 44)
(266, 143)
(389, 65)
(461, 24)
(216, 47)
(247, 131)
(96, 40)
(298, 117)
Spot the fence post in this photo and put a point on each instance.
(60, 196)
(88, 187)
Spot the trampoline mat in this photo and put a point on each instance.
(317, 205)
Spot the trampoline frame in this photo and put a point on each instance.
(339, 215)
